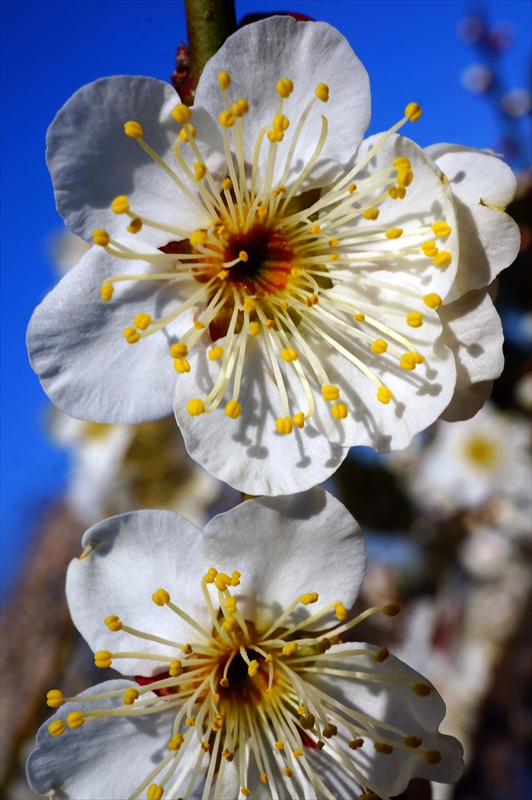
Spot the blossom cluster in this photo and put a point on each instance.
(288, 289)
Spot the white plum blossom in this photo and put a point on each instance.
(473, 462)
(237, 682)
(289, 288)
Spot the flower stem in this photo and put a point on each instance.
(209, 23)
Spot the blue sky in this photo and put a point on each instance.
(52, 47)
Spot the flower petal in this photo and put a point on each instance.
(483, 186)
(116, 577)
(397, 705)
(77, 348)
(248, 453)
(92, 161)
(108, 758)
(308, 53)
(279, 545)
(473, 331)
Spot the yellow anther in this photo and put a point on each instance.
(181, 113)
(227, 754)
(223, 274)
(384, 395)
(226, 119)
(351, 188)
(224, 682)
(334, 256)
(288, 650)
(288, 772)
(428, 245)
(245, 792)
(75, 719)
(432, 756)
(233, 409)
(280, 123)
(57, 727)
(295, 272)
(441, 229)
(297, 753)
(253, 668)
(359, 317)
(299, 419)
(289, 354)
(421, 689)
(176, 741)
(195, 407)
(178, 350)
(405, 177)
(322, 92)
(394, 233)
(261, 211)
(269, 658)
(131, 335)
(401, 192)
(154, 792)
(371, 213)
(333, 242)
(339, 411)
(190, 721)
(254, 329)
(341, 611)
(270, 323)
(160, 597)
(222, 581)
(393, 192)
(315, 229)
(113, 623)
(240, 108)
(205, 746)
(200, 170)
(381, 655)
(284, 87)
(133, 129)
(275, 136)
(284, 425)
(120, 204)
(408, 361)
(103, 658)
(198, 238)
(413, 112)
(309, 598)
(391, 610)
(210, 575)
(301, 710)
(130, 696)
(215, 353)
(443, 259)
(264, 777)
(142, 322)
(379, 346)
(176, 668)
(414, 319)
(412, 741)
(100, 237)
(230, 604)
(279, 745)
(198, 325)
(419, 358)
(227, 184)
(224, 79)
(330, 392)
(181, 365)
(54, 698)
(189, 130)
(106, 292)
(432, 300)
(401, 162)
(249, 304)
(135, 225)
(243, 256)
(383, 748)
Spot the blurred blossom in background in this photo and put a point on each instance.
(448, 521)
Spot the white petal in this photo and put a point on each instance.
(309, 53)
(77, 347)
(92, 161)
(279, 545)
(483, 186)
(427, 201)
(472, 329)
(394, 704)
(138, 553)
(248, 453)
(107, 758)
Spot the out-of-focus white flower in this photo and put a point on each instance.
(306, 284)
(470, 462)
(261, 698)
(517, 103)
(477, 78)
(66, 250)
